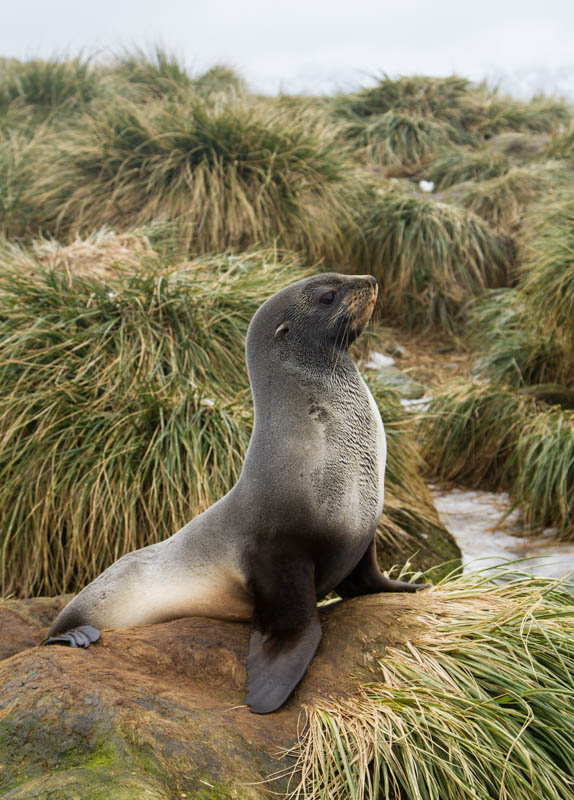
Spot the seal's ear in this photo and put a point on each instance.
(283, 329)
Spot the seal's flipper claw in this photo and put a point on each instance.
(286, 629)
(83, 636)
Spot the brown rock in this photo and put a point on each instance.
(157, 711)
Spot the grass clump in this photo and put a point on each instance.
(156, 74)
(441, 98)
(543, 462)
(410, 519)
(458, 165)
(563, 146)
(477, 703)
(18, 149)
(151, 75)
(122, 407)
(513, 347)
(525, 336)
(548, 269)
(429, 257)
(501, 200)
(231, 174)
(495, 437)
(395, 138)
(469, 433)
(48, 86)
(540, 115)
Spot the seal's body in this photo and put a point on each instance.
(299, 523)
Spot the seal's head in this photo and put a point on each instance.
(320, 315)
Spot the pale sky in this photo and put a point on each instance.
(315, 45)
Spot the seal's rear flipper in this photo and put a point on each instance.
(367, 578)
(286, 631)
(83, 636)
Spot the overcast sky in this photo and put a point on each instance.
(315, 45)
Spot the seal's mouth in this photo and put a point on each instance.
(361, 305)
(357, 308)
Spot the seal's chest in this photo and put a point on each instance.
(348, 453)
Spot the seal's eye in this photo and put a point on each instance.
(327, 298)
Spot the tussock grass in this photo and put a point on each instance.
(124, 404)
(476, 702)
(543, 462)
(563, 146)
(396, 138)
(150, 75)
(501, 200)
(469, 433)
(155, 74)
(540, 115)
(513, 346)
(231, 174)
(548, 269)
(429, 257)
(47, 86)
(495, 437)
(521, 146)
(409, 513)
(458, 165)
(525, 336)
(123, 408)
(220, 79)
(104, 254)
(19, 146)
(441, 98)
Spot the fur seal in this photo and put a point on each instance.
(300, 521)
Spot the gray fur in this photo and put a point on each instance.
(308, 499)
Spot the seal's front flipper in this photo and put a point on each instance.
(367, 578)
(286, 634)
(83, 636)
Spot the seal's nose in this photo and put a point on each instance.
(372, 280)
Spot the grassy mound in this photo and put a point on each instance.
(157, 74)
(548, 269)
(495, 437)
(563, 146)
(410, 528)
(429, 257)
(512, 346)
(396, 138)
(501, 201)
(441, 98)
(469, 433)
(230, 173)
(525, 336)
(47, 87)
(473, 112)
(150, 75)
(478, 705)
(17, 151)
(123, 408)
(543, 462)
(459, 165)
(540, 115)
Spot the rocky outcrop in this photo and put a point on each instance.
(156, 712)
